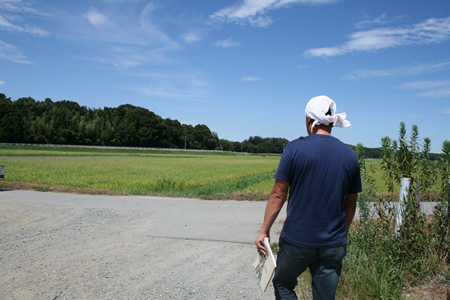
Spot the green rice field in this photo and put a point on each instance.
(209, 175)
(141, 172)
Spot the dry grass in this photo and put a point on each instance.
(15, 185)
(429, 291)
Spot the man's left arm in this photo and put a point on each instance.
(350, 208)
(273, 207)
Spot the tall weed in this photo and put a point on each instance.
(379, 260)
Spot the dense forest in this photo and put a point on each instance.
(26, 120)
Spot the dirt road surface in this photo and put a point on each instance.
(67, 246)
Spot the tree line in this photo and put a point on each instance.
(26, 120)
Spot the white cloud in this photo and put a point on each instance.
(401, 71)
(227, 43)
(254, 12)
(191, 38)
(11, 53)
(420, 85)
(330, 51)
(251, 78)
(96, 18)
(434, 88)
(2, 83)
(428, 32)
(445, 110)
(439, 93)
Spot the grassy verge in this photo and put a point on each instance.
(384, 264)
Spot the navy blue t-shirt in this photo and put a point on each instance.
(321, 172)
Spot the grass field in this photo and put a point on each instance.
(218, 175)
(141, 172)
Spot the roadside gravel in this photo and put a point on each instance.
(67, 246)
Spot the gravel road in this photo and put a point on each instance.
(67, 246)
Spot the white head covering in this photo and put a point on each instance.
(318, 106)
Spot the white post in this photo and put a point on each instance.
(404, 193)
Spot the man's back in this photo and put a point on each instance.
(321, 171)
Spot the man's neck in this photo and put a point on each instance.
(321, 129)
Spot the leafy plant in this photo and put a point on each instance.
(380, 260)
(427, 168)
(388, 161)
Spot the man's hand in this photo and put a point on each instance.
(260, 244)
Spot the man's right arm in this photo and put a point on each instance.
(273, 207)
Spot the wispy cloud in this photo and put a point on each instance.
(11, 53)
(420, 85)
(445, 110)
(254, 13)
(401, 71)
(433, 89)
(435, 30)
(124, 40)
(11, 19)
(170, 91)
(174, 85)
(251, 78)
(439, 93)
(130, 56)
(378, 21)
(18, 6)
(229, 42)
(151, 30)
(2, 83)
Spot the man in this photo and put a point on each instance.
(323, 179)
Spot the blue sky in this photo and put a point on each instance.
(244, 67)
